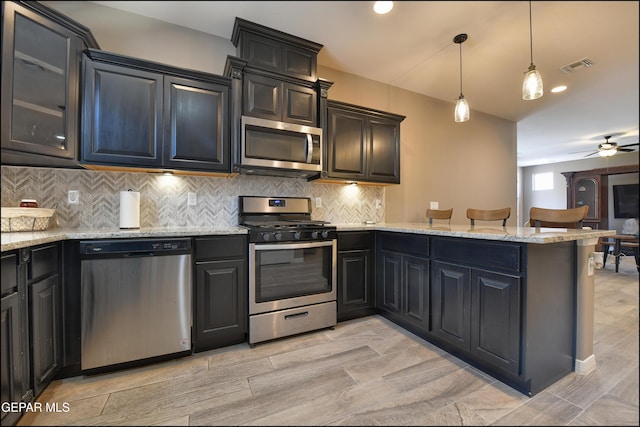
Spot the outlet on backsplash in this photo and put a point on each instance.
(191, 199)
(73, 197)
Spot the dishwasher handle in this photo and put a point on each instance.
(139, 254)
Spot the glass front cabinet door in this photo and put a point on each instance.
(586, 193)
(40, 72)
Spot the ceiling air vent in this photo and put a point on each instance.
(583, 63)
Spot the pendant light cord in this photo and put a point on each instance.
(530, 33)
(460, 69)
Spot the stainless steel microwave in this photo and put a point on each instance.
(280, 145)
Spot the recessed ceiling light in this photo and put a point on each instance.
(558, 89)
(382, 7)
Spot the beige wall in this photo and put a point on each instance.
(459, 165)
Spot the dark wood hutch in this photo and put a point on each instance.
(591, 187)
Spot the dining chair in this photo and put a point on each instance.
(558, 218)
(489, 215)
(439, 214)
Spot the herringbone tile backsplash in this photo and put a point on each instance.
(163, 199)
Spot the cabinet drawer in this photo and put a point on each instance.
(405, 243)
(9, 272)
(501, 256)
(44, 261)
(220, 247)
(354, 240)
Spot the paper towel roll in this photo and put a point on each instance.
(129, 209)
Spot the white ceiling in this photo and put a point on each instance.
(412, 48)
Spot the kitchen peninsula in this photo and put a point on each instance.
(517, 302)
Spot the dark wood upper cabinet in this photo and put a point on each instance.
(362, 144)
(143, 114)
(272, 50)
(40, 79)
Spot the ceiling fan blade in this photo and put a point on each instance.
(626, 150)
(627, 145)
(591, 154)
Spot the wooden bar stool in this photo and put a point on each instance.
(558, 218)
(489, 215)
(439, 214)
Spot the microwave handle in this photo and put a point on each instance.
(309, 148)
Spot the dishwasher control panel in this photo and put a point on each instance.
(122, 246)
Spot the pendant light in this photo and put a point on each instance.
(532, 85)
(461, 113)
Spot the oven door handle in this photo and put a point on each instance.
(297, 245)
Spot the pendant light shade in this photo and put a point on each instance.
(461, 113)
(532, 85)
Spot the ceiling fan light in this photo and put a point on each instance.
(607, 153)
(461, 113)
(532, 85)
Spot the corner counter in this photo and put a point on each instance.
(555, 261)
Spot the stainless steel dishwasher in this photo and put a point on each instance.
(135, 299)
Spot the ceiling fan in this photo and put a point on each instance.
(608, 148)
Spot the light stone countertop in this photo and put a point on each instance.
(486, 232)
(25, 239)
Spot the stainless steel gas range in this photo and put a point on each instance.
(292, 267)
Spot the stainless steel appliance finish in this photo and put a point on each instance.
(292, 267)
(135, 300)
(278, 148)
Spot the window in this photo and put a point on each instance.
(542, 181)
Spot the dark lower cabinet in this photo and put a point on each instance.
(220, 304)
(478, 312)
(356, 292)
(45, 331)
(495, 319)
(11, 367)
(402, 278)
(451, 290)
(45, 315)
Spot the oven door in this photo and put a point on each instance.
(287, 275)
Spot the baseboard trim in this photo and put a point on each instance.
(584, 367)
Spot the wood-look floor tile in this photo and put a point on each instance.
(296, 373)
(608, 411)
(247, 410)
(542, 409)
(493, 401)
(78, 410)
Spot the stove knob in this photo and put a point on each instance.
(325, 234)
(314, 234)
(296, 235)
(265, 236)
(278, 236)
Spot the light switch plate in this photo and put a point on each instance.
(318, 202)
(378, 203)
(433, 205)
(191, 199)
